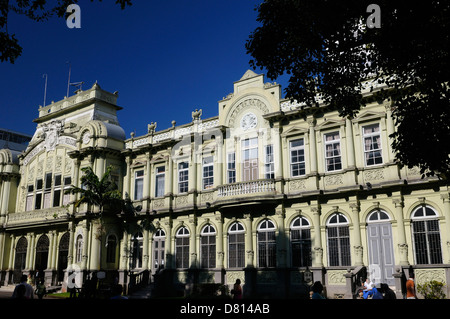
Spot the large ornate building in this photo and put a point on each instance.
(268, 191)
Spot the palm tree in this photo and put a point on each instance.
(101, 192)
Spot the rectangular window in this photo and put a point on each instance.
(372, 145)
(67, 184)
(333, 152)
(250, 159)
(138, 184)
(297, 157)
(183, 177)
(57, 191)
(236, 250)
(208, 172)
(269, 163)
(159, 181)
(231, 168)
(38, 198)
(29, 203)
(48, 180)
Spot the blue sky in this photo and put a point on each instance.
(165, 58)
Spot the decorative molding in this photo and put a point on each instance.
(336, 277)
(333, 180)
(426, 275)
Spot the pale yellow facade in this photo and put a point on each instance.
(267, 191)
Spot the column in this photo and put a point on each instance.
(76, 182)
(358, 248)
(96, 238)
(350, 143)
(249, 241)
(123, 250)
(169, 255)
(317, 252)
(71, 244)
(85, 245)
(145, 256)
(168, 183)
(390, 127)
(5, 198)
(51, 240)
(446, 200)
(193, 242)
(219, 242)
(147, 179)
(29, 252)
(2, 248)
(402, 245)
(281, 238)
(312, 146)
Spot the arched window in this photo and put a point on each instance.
(378, 216)
(267, 248)
(159, 243)
(42, 248)
(236, 246)
(111, 249)
(208, 247)
(79, 249)
(301, 242)
(426, 236)
(338, 240)
(182, 248)
(20, 258)
(62, 255)
(136, 249)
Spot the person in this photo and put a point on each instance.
(317, 288)
(40, 289)
(368, 285)
(410, 289)
(387, 292)
(237, 290)
(376, 294)
(117, 292)
(23, 290)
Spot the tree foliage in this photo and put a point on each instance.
(37, 10)
(101, 192)
(327, 49)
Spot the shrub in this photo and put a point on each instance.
(432, 290)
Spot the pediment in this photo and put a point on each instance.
(294, 131)
(329, 123)
(368, 115)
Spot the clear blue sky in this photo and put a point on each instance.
(165, 58)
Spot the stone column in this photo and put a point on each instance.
(96, 238)
(250, 253)
(317, 253)
(350, 143)
(358, 248)
(312, 145)
(219, 242)
(390, 127)
(84, 257)
(402, 245)
(169, 246)
(446, 199)
(168, 183)
(127, 179)
(50, 250)
(145, 255)
(281, 239)
(71, 244)
(5, 199)
(193, 242)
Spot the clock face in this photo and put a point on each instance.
(249, 121)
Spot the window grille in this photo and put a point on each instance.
(236, 246)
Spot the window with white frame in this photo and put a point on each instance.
(183, 177)
(208, 172)
(269, 162)
(159, 243)
(137, 250)
(231, 168)
(111, 246)
(372, 145)
(250, 169)
(208, 247)
(79, 249)
(267, 249)
(57, 191)
(38, 198)
(67, 185)
(138, 185)
(30, 196)
(236, 246)
(333, 160)
(297, 158)
(426, 236)
(182, 248)
(301, 242)
(338, 234)
(159, 181)
(48, 190)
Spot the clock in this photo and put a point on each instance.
(249, 121)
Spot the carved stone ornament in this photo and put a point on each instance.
(52, 131)
(249, 121)
(86, 137)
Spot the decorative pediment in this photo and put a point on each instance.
(368, 116)
(294, 130)
(329, 123)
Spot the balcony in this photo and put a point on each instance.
(244, 188)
